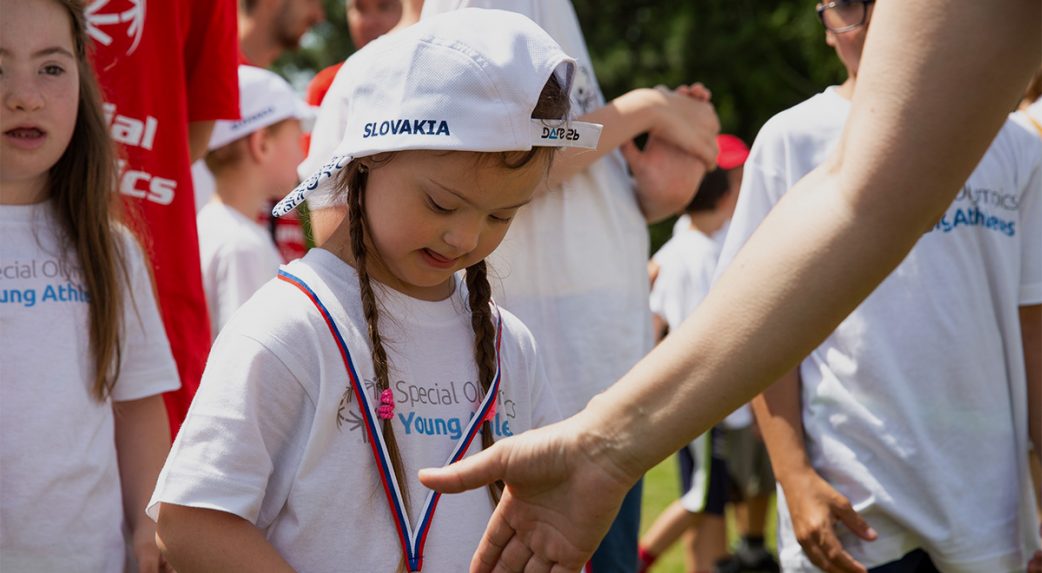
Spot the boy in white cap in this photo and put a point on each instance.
(254, 161)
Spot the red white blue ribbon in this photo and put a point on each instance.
(412, 540)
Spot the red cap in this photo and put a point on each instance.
(321, 83)
(733, 151)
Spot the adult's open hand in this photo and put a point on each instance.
(560, 499)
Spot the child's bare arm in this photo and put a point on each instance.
(684, 121)
(778, 415)
(195, 539)
(814, 505)
(142, 441)
(1031, 336)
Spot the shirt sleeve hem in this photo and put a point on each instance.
(207, 493)
(1030, 295)
(145, 384)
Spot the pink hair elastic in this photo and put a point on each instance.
(386, 409)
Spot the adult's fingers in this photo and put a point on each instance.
(497, 535)
(514, 558)
(469, 473)
(538, 565)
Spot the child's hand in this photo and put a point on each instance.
(686, 122)
(149, 560)
(697, 91)
(815, 507)
(666, 176)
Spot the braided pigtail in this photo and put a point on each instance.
(481, 321)
(356, 182)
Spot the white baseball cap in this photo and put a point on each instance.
(264, 99)
(466, 80)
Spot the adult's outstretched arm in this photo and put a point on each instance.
(937, 80)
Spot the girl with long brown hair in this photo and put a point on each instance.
(82, 350)
(381, 352)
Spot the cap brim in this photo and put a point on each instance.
(318, 179)
(579, 134)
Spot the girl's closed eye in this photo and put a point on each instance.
(501, 217)
(437, 207)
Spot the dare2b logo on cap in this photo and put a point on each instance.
(405, 127)
(566, 134)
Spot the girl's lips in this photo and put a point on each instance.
(27, 138)
(438, 261)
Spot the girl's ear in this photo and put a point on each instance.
(257, 145)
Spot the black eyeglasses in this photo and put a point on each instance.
(843, 15)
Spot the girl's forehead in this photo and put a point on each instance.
(466, 168)
(480, 178)
(35, 28)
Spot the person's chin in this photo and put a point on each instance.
(429, 285)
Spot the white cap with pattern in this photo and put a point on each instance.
(467, 80)
(264, 99)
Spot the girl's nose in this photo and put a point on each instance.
(21, 96)
(463, 236)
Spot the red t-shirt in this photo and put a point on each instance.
(163, 65)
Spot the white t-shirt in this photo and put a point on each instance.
(203, 184)
(1031, 118)
(915, 407)
(269, 399)
(680, 226)
(237, 256)
(687, 264)
(61, 506)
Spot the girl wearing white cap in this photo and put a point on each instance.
(373, 356)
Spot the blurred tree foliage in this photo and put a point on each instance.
(757, 56)
(325, 45)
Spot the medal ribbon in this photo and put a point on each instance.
(412, 541)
